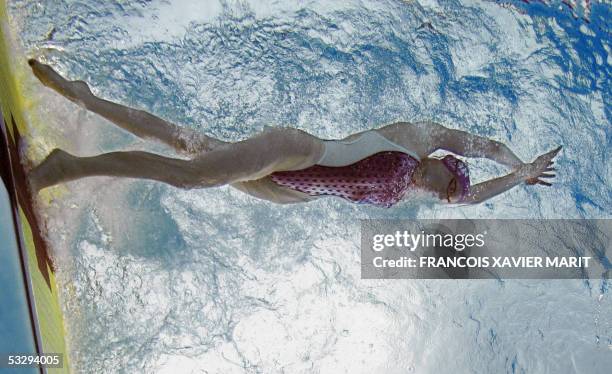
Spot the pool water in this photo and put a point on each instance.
(156, 279)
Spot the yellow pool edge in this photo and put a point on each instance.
(48, 312)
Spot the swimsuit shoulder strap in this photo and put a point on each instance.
(395, 147)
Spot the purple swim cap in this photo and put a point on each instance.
(460, 171)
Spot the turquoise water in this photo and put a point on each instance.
(16, 335)
(156, 279)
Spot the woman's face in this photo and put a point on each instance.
(437, 178)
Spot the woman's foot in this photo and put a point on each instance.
(76, 91)
(48, 172)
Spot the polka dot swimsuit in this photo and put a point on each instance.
(380, 179)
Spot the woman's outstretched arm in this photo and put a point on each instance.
(426, 137)
(469, 145)
(533, 173)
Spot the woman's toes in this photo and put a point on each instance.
(45, 74)
(33, 185)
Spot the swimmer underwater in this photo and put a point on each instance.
(286, 165)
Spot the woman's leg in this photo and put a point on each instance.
(60, 167)
(138, 122)
(251, 159)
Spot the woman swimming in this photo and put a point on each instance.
(286, 165)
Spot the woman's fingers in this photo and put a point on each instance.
(548, 156)
(543, 167)
(554, 152)
(539, 180)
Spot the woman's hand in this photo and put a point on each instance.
(541, 168)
